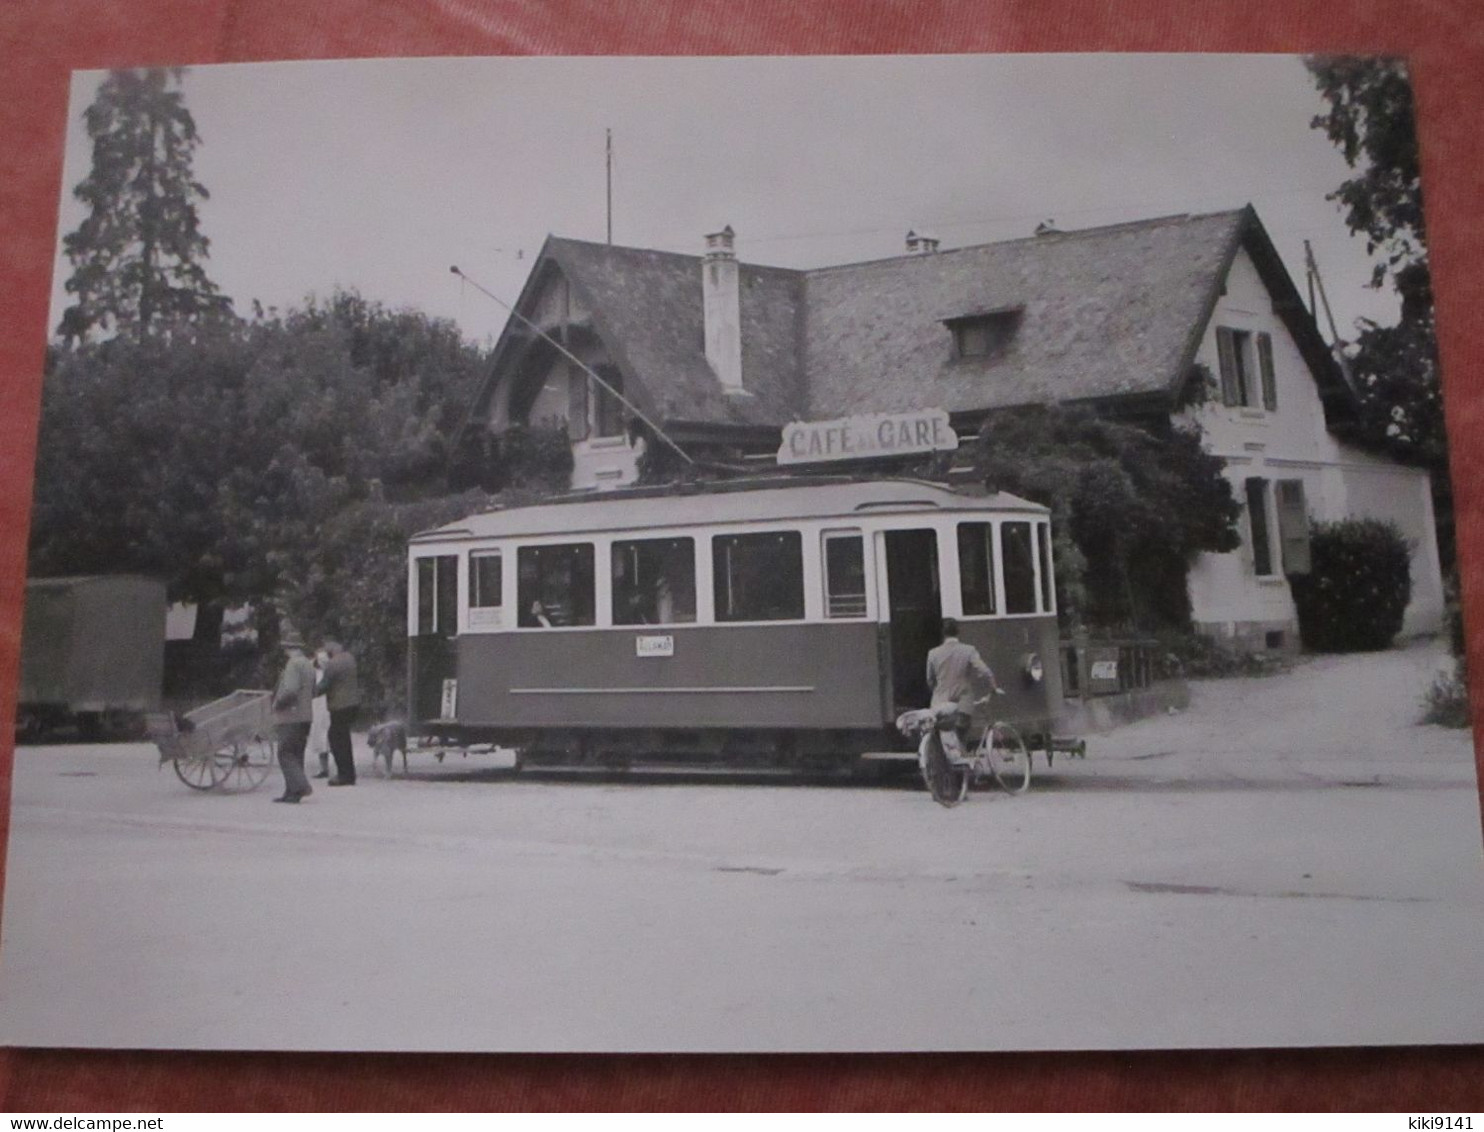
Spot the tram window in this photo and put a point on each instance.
(486, 588)
(654, 581)
(976, 567)
(1048, 585)
(437, 595)
(1018, 554)
(555, 584)
(844, 575)
(759, 577)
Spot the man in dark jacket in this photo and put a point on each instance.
(343, 697)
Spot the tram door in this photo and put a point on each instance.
(433, 673)
(916, 612)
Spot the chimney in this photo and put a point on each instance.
(921, 245)
(722, 302)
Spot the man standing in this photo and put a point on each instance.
(293, 709)
(342, 696)
(952, 669)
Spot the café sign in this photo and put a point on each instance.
(865, 437)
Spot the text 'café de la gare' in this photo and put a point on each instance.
(895, 434)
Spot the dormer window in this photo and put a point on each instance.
(984, 336)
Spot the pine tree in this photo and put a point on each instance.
(137, 257)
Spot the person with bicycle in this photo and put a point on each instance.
(953, 670)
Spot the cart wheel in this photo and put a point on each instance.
(1008, 759)
(246, 763)
(948, 784)
(199, 771)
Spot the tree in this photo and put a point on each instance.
(1131, 508)
(137, 256)
(1371, 120)
(1395, 370)
(216, 461)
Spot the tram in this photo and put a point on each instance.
(777, 622)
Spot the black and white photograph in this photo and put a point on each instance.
(743, 554)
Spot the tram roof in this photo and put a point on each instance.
(768, 501)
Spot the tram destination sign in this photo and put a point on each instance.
(866, 437)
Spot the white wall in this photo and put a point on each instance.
(605, 462)
(1292, 442)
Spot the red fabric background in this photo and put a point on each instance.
(43, 39)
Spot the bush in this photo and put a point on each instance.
(523, 456)
(1357, 590)
(536, 456)
(1197, 656)
(1446, 702)
(1132, 507)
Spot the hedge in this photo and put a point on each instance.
(1358, 587)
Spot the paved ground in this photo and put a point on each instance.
(1291, 861)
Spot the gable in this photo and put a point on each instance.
(1274, 397)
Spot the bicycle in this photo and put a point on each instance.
(949, 773)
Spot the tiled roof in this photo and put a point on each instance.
(1103, 313)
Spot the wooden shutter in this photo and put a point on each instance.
(1226, 350)
(1257, 522)
(1293, 526)
(1265, 367)
(577, 383)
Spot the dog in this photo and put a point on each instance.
(386, 740)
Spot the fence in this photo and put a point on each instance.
(1107, 667)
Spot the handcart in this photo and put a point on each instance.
(225, 745)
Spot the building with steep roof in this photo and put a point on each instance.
(723, 355)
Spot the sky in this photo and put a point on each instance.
(379, 175)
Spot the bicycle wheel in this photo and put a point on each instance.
(247, 763)
(948, 784)
(199, 771)
(1008, 759)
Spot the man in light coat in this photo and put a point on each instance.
(953, 670)
(293, 711)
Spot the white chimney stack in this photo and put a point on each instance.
(921, 245)
(722, 302)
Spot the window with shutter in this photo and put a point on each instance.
(1293, 526)
(1265, 367)
(1227, 354)
(1257, 521)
